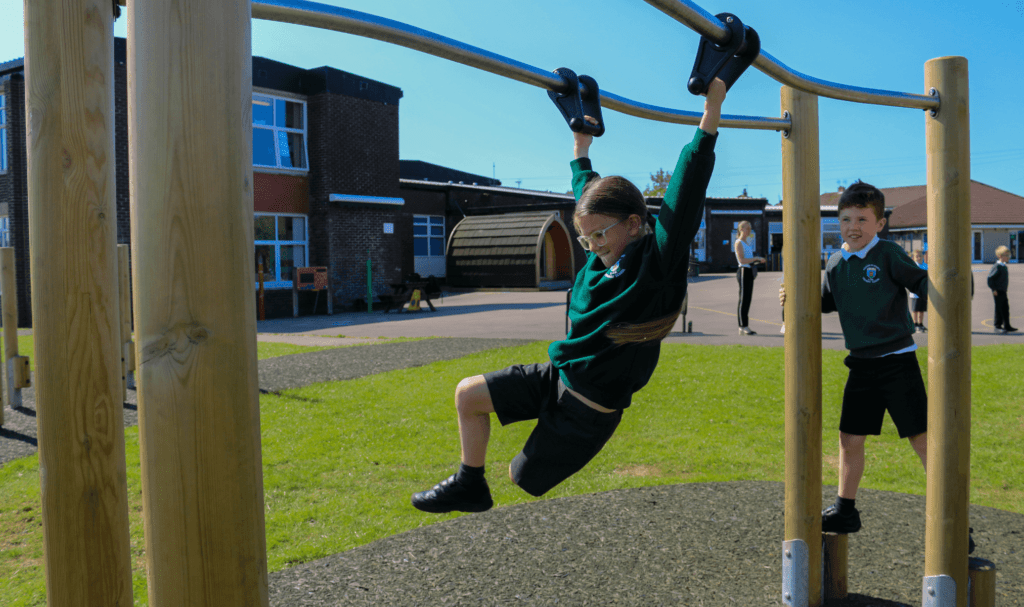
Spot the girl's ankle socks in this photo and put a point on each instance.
(845, 505)
(469, 475)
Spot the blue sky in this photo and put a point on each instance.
(474, 121)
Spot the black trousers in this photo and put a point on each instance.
(744, 276)
(1002, 319)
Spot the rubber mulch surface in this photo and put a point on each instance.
(694, 544)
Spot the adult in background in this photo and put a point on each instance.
(745, 275)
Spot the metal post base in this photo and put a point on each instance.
(795, 573)
(938, 591)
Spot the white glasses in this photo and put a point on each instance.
(597, 238)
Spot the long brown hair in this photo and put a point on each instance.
(617, 197)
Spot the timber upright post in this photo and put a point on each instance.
(127, 345)
(947, 136)
(69, 81)
(801, 550)
(15, 367)
(190, 145)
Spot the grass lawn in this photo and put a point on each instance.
(341, 459)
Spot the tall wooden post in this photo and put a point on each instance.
(190, 135)
(69, 73)
(127, 345)
(9, 316)
(947, 136)
(801, 254)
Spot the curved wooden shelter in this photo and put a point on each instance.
(524, 250)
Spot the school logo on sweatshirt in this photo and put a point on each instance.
(616, 271)
(871, 273)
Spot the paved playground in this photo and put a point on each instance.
(541, 316)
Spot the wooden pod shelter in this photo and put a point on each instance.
(520, 250)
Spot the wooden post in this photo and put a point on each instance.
(982, 574)
(127, 345)
(9, 303)
(69, 81)
(801, 219)
(190, 138)
(835, 552)
(947, 136)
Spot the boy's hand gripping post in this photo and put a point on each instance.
(575, 105)
(726, 61)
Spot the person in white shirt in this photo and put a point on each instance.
(745, 275)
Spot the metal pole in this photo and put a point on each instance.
(801, 225)
(69, 81)
(947, 135)
(697, 19)
(190, 145)
(323, 16)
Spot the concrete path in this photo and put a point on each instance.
(541, 316)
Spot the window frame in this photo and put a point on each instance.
(276, 283)
(3, 133)
(275, 130)
(428, 236)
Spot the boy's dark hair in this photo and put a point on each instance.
(864, 196)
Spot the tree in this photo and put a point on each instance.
(659, 183)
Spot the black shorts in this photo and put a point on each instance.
(890, 383)
(568, 434)
(920, 304)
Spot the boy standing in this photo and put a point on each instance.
(999, 282)
(867, 284)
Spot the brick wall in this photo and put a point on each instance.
(353, 150)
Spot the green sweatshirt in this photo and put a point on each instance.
(870, 295)
(647, 282)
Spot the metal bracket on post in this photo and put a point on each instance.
(795, 573)
(574, 106)
(726, 61)
(938, 591)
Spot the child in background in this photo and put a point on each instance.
(999, 282)
(867, 283)
(918, 305)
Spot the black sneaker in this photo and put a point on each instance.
(834, 522)
(449, 495)
(1010, 329)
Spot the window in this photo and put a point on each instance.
(278, 133)
(281, 244)
(428, 235)
(428, 245)
(5, 231)
(3, 134)
(831, 237)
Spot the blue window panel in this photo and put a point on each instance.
(282, 144)
(419, 247)
(436, 246)
(262, 110)
(437, 230)
(263, 147)
(419, 230)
